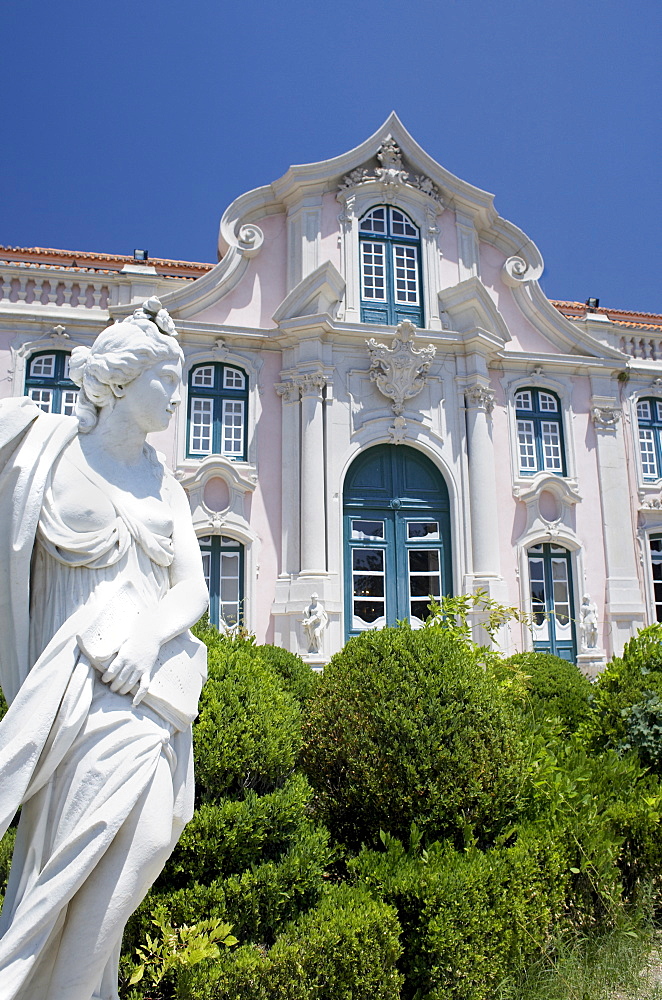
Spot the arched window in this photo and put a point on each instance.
(550, 582)
(47, 382)
(539, 432)
(397, 538)
(223, 566)
(218, 401)
(390, 261)
(649, 418)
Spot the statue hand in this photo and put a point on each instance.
(132, 664)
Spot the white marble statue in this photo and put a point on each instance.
(588, 625)
(314, 624)
(98, 554)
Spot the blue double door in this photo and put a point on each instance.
(396, 537)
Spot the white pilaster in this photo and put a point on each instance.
(313, 520)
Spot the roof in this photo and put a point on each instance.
(83, 260)
(620, 317)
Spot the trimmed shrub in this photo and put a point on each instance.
(413, 726)
(297, 677)
(556, 688)
(468, 919)
(247, 735)
(628, 681)
(344, 949)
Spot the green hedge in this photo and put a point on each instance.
(555, 688)
(413, 726)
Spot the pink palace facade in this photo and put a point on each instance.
(381, 404)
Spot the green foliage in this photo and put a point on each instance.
(175, 948)
(413, 726)
(643, 730)
(3, 704)
(555, 688)
(247, 735)
(6, 851)
(468, 918)
(297, 677)
(345, 948)
(626, 682)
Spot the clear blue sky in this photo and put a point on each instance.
(132, 123)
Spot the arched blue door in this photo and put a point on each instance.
(396, 516)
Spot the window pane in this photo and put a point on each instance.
(43, 398)
(43, 366)
(537, 584)
(423, 529)
(367, 529)
(551, 445)
(233, 379)
(368, 559)
(644, 410)
(374, 222)
(206, 567)
(203, 378)
(69, 397)
(405, 270)
(401, 226)
(658, 408)
(647, 452)
(368, 586)
(524, 400)
(547, 402)
(527, 445)
(233, 427)
(368, 613)
(424, 560)
(200, 428)
(373, 271)
(229, 588)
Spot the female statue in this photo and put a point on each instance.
(103, 580)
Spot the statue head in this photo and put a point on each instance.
(119, 355)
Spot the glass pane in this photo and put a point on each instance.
(527, 445)
(524, 400)
(373, 271)
(374, 222)
(368, 613)
(203, 378)
(367, 529)
(69, 397)
(656, 545)
(67, 362)
(371, 560)
(658, 408)
(423, 529)
(233, 379)
(548, 403)
(420, 610)
(551, 445)
(424, 586)
(368, 586)
(43, 398)
(206, 567)
(200, 426)
(405, 269)
(401, 226)
(43, 366)
(233, 426)
(647, 452)
(424, 560)
(644, 410)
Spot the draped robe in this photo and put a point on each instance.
(98, 780)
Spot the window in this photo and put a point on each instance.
(223, 566)
(551, 600)
(48, 383)
(655, 544)
(218, 401)
(539, 432)
(390, 253)
(649, 419)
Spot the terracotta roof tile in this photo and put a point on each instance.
(84, 260)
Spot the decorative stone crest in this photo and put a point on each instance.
(480, 397)
(399, 371)
(391, 174)
(605, 417)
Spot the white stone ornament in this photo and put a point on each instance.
(588, 626)
(314, 624)
(399, 371)
(97, 664)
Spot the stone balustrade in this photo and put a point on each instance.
(646, 348)
(52, 287)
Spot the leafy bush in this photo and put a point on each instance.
(346, 948)
(411, 726)
(297, 677)
(555, 688)
(627, 681)
(643, 730)
(468, 918)
(6, 851)
(247, 735)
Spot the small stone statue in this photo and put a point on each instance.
(101, 580)
(588, 626)
(314, 624)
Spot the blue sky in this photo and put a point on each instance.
(134, 124)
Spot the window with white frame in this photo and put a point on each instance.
(223, 567)
(655, 547)
(48, 384)
(539, 432)
(390, 266)
(217, 410)
(649, 420)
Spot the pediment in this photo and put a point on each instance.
(318, 294)
(472, 313)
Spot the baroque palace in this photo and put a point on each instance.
(380, 404)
